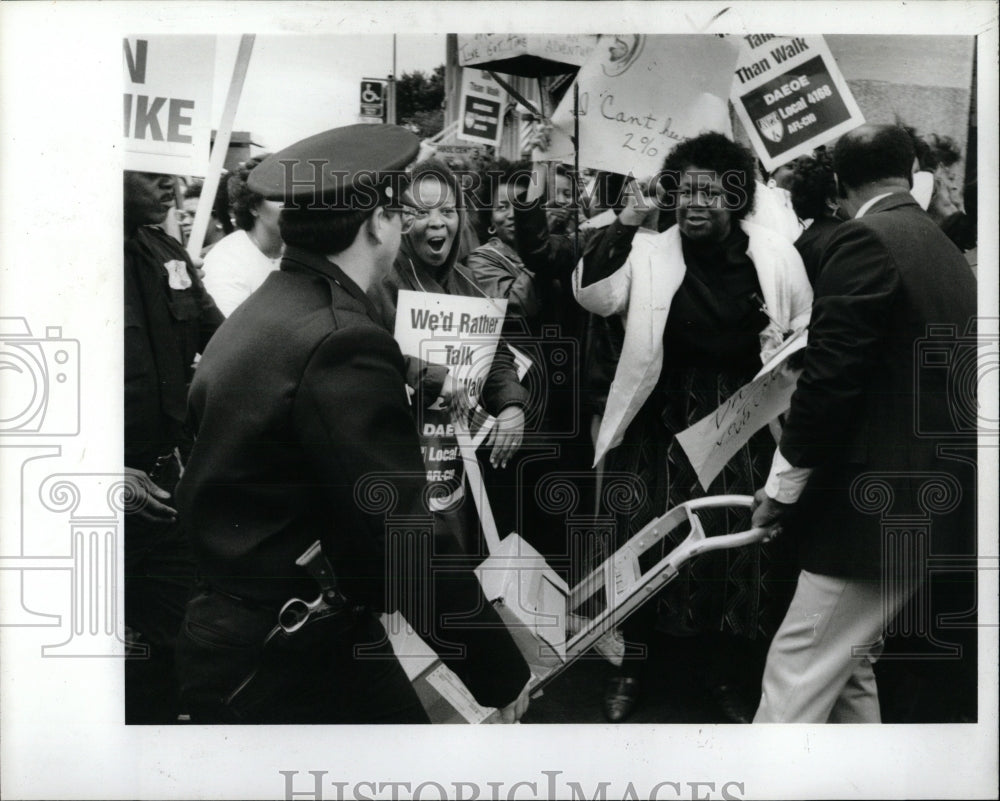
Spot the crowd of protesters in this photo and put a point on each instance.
(642, 305)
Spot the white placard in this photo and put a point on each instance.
(790, 96)
(461, 333)
(481, 108)
(168, 103)
(640, 95)
(712, 441)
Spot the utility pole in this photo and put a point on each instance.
(452, 79)
(391, 112)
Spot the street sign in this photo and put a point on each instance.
(372, 100)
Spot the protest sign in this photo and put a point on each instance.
(168, 103)
(790, 96)
(714, 440)
(481, 108)
(461, 333)
(525, 54)
(640, 95)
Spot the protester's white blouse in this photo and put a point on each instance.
(234, 268)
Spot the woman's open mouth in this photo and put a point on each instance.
(437, 243)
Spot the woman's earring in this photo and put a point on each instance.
(491, 231)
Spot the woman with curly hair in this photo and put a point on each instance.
(814, 198)
(704, 304)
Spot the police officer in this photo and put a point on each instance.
(300, 405)
(169, 318)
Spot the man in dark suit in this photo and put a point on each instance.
(852, 447)
(304, 435)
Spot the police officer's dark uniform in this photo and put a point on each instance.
(298, 401)
(169, 318)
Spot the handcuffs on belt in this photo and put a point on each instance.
(296, 613)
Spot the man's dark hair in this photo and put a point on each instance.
(193, 190)
(321, 230)
(714, 152)
(887, 151)
(242, 201)
(813, 185)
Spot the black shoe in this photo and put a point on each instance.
(734, 706)
(619, 698)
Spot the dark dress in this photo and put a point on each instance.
(712, 348)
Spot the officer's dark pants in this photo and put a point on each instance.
(321, 675)
(159, 580)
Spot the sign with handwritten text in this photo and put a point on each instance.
(790, 96)
(642, 94)
(461, 333)
(482, 48)
(714, 440)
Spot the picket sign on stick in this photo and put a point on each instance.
(449, 128)
(533, 594)
(509, 88)
(477, 487)
(201, 217)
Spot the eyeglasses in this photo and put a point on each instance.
(413, 214)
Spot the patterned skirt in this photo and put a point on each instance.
(744, 591)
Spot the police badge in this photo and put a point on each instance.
(177, 274)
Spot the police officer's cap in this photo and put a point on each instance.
(339, 167)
